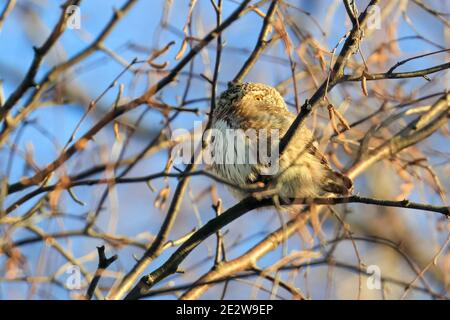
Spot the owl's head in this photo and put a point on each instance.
(249, 97)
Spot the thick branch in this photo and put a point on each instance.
(247, 205)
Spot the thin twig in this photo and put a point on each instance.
(103, 264)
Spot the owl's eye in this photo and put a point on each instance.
(258, 98)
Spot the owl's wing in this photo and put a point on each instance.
(270, 117)
(332, 181)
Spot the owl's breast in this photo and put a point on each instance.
(232, 154)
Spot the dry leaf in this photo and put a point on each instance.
(182, 50)
(364, 85)
(161, 198)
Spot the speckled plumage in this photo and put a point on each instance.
(303, 170)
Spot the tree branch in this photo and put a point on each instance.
(158, 244)
(397, 75)
(416, 131)
(39, 54)
(103, 264)
(350, 46)
(6, 11)
(261, 44)
(81, 143)
(245, 206)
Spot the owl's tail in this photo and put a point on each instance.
(337, 183)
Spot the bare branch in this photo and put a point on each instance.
(103, 264)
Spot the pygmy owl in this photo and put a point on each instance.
(302, 171)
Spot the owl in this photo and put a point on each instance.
(300, 172)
